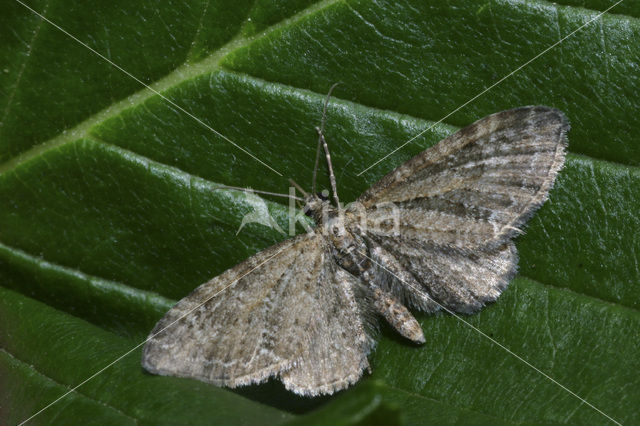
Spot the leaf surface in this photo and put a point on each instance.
(109, 211)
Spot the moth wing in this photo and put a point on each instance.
(272, 315)
(336, 353)
(461, 280)
(448, 214)
(478, 186)
(244, 325)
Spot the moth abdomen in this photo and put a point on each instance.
(396, 314)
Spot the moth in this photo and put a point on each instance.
(435, 233)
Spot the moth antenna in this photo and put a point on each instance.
(332, 176)
(315, 167)
(299, 188)
(321, 131)
(275, 194)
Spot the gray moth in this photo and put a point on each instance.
(435, 233)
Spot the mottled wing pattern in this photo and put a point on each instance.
(287, 307)
(335, 353)
(461, 280)
(461, 201)
(479, 185)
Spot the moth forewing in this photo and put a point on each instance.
(384, 219)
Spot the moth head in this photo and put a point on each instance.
(315, 203)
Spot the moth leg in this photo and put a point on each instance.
(390, 274)
(396, 314)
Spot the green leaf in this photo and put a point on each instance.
(109, 213)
